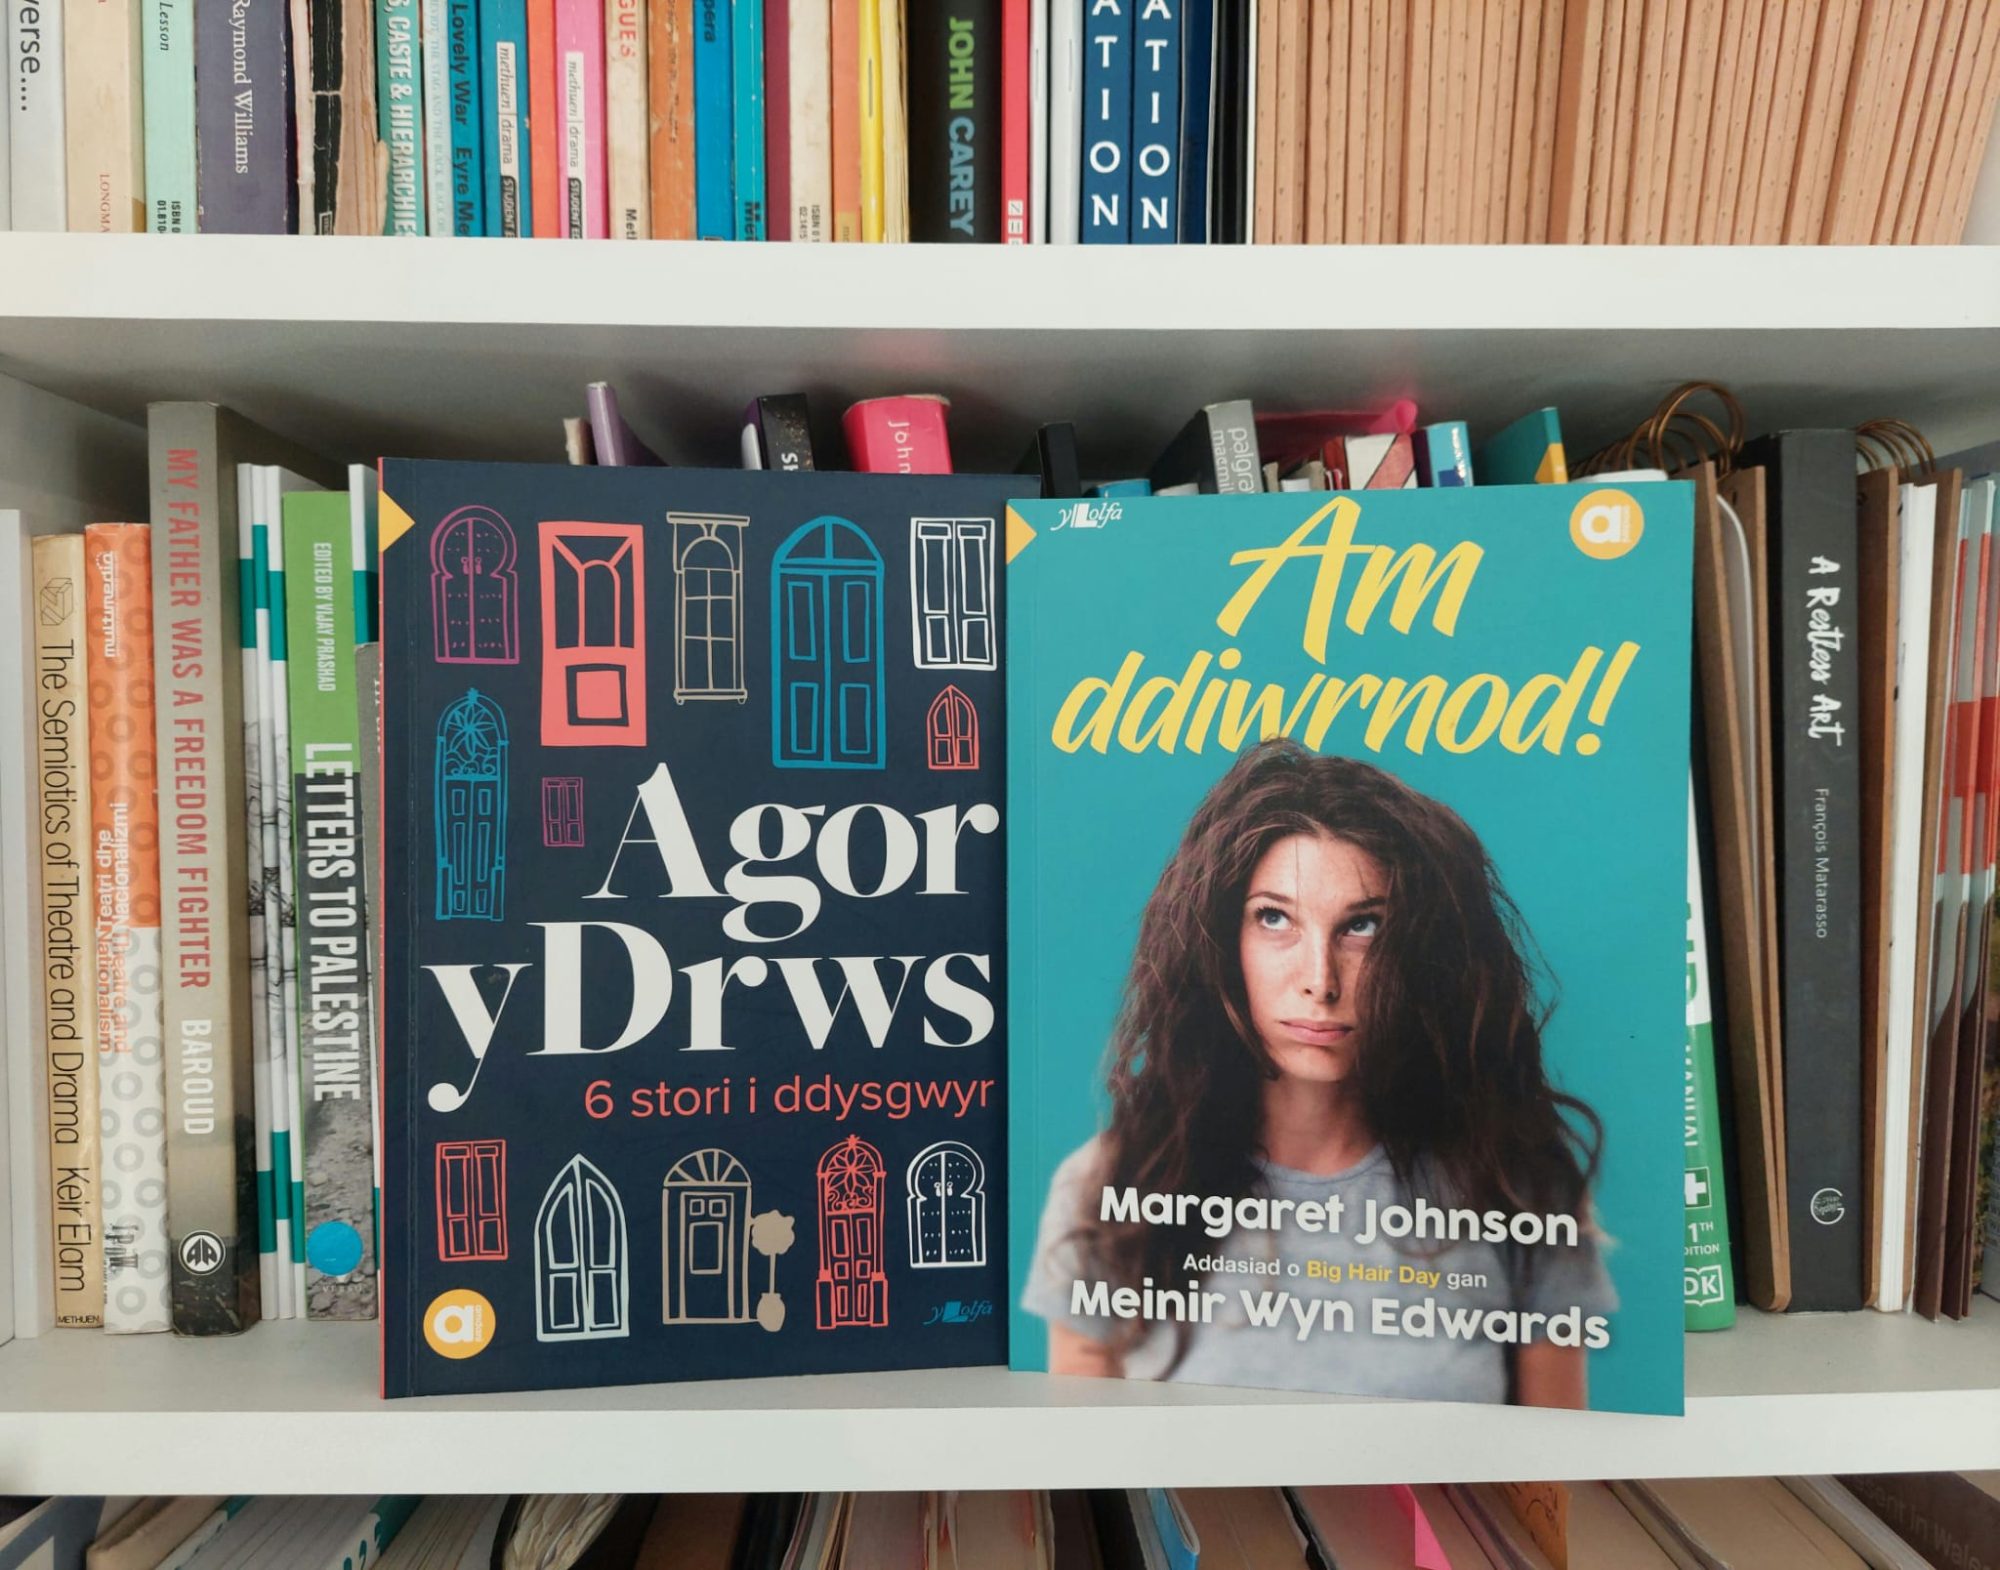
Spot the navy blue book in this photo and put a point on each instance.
(1156, 122)
(694, 1045)
(1197, 97)
(1107, 125)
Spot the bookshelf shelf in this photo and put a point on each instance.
(292, 1406)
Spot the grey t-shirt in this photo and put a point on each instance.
(1229, 1349)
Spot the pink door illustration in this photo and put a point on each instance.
(851, 1288)
(951, 731)
(475, 616)
(593, 635)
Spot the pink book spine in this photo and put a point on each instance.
(580, 112)
(898, 436)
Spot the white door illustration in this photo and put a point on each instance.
(951, 593)
(581, 1290)
(947, 1206)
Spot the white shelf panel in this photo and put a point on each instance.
(477, 348)
(291, 1408)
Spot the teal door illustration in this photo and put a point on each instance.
(826, 649)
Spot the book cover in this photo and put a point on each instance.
(809, 82)
(1197, 108)
(1065, 138)
(1016, 106)
(1216, 453)
(1370, 757)
(627, 136)
(468, 172)
(1527, 452)
(1107, 122)
(746, 105)
(125, 893)
(845, 108)
(1708, 1284)
(434, 70)
(1817, 790)
(1156, 121)
(103, 118)
(777, 88)
(714, 122)
(580, 104)
(733, 1150)
(39, 187)
(399, 114)
(955, 113)
(337, 1083)
(503, 112)
(166, 74)
(904, 435)
(65, 944)
(245, 183)
(545, 179)
(670, 110)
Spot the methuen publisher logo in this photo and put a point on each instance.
(1606, 524)
(458, 1324)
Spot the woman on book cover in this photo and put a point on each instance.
(1330, 998)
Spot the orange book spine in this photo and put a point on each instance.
(670, 109)
(125, 899)
(544, 123)
(847, 120)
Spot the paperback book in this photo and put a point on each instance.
(1328, 1069)
(692, 1003)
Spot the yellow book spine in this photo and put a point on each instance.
(872, 226)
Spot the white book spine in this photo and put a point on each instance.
(437, 117)
(626, 123)
(254, 873)
(6, 130)
(102, 121)
(39, 188)
(286, 1112)
(811, 82)
(280, 1304)
(1065, 120)
(1038, 122)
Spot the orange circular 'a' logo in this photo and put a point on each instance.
(458, 1323)
(1606, 524)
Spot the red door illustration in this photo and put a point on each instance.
(472, 1199)
(851, 1288)
(951, 731)
(593, 635)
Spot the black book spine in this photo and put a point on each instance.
(953, 53)
(1053, 457)
(1817, 784)
(1228, 183)
(785, 432)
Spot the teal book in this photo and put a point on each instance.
(1528, 452)
(399, 112)
(1346, 900)
(1708, 1282)
(167, 83)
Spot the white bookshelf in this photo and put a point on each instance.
(477, 349)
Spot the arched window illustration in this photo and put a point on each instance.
(593, 635)
(475, 612)
(469, 801)
(951, 731)
(947, 1206)
(951, 594)
(708, 607)
(472, 1199)
(562, 811)
(581, 1289)
(826, 649)
(851, 1288)
(705, 1241)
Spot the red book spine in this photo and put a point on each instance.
(778, 119)
(898, 436)
(545, 162)
(1015, 111)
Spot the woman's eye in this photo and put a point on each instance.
(1271, 919)
(1365, 926)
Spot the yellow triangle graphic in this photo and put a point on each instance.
(1018, 534)
(391, 523)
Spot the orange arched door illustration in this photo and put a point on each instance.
(951, 731)
(851, 1289)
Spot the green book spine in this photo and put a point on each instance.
(337, 1083)
(167, 81)
(1708, 1291)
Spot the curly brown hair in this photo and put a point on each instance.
(1450, 1069)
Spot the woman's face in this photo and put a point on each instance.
(1313, 909)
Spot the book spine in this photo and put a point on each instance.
(1197, 99)
(545, 182)
(434, 69)
(468, 174)
(105, 137)
(167, 77)
(808, 80)
(954, 122)
(1444, 454)
(845, 132)
(399, 113)
(778, 119)
(1156, 122)
(280, 912)
(1016, 105)
(211, 1128)
(746, 35)
(336, 1095)
(1038, 122)
(895, 125)
(66, 945)
(714, 126)
(868, 59)
(124, 816)
(39, 187)
(242, 108)
(626, 133)
(1708, 1288)
(503, 109)
(580, 86)
(779, 434)
(363, 509)
(670, 107)
(1107, 126)
(897, 436)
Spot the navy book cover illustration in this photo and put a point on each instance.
(693, 1039)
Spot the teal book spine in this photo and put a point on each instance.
(399, 113)
(1708, 1292)
(747, 107)
(1528, 452)
(167, 81)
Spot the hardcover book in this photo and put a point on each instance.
(692, 847)
(1339, 1079)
